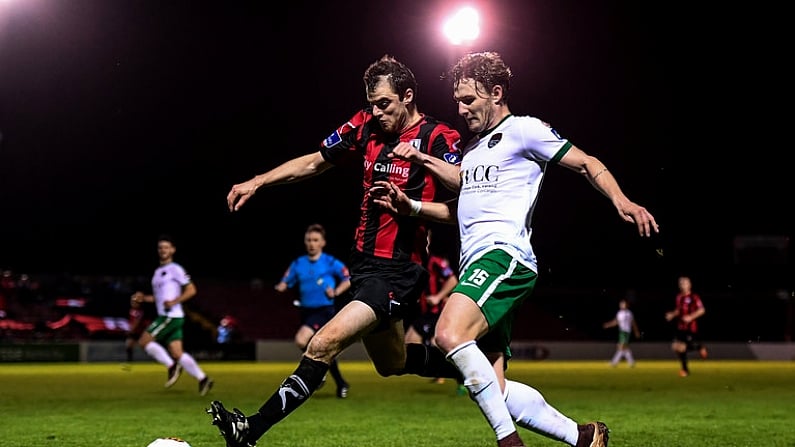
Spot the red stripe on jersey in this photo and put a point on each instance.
(687, 304)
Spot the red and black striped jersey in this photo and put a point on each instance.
(380, 233)
(686, 305)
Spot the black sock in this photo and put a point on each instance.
(428, 361)
(683, 360)
(293, 392)
(334, 369)
(129, 354)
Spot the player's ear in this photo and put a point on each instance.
(496, 94)
(408, 96)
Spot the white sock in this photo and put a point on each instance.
(616, 358)
(531, 411)
(484, 388)
(159, 353)
(629, 357)
(191, 367)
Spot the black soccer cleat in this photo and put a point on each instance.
(233, 426)
(205, 385)
(173, 374)
(342, 391)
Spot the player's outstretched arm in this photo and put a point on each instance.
(600, 178)
(299, 168)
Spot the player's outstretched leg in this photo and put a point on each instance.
(240, 430)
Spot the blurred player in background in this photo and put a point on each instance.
(171, 286)
(442, 279)
(227, 331)
(320, 278)
(627, 326)
(688, 309)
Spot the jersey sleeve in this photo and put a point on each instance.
(290, 276)
(341, 271)
(181, 275)
(542, 141)
(345, 140)
(697, 304)
(444, 144)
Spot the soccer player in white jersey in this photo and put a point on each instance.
(171, 286)
(627, 326)
(498, 180)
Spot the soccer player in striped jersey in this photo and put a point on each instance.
(388, 254)
(688, 309)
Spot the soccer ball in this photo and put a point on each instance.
(168, 442)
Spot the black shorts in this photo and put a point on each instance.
(687, 337)
(392, 289)
(316, 317)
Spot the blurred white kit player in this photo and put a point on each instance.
(171, 286)
(625, 320)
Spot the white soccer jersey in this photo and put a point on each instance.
(624, 318)
(501, 175)
(167, 284)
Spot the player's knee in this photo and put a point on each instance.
(322, 348)
(447, 340)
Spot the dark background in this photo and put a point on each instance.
(122, 120)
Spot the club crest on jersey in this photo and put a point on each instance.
(494, 140)
(416, 143)
(334, 139)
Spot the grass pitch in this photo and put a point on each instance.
(727, 404)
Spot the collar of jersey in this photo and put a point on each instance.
(486, 132)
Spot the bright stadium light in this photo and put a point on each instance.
(463, 27)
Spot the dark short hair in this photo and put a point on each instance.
(486, 68)
(398, 75)
(316, 228)
(166, 238)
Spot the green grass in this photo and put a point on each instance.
(727, 404)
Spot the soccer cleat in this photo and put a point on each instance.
(703, 353)
(205, 385)
(173, 374)
(233, 426)
(342, 391)
(512, 440)
(683, 373)
(592, 434)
